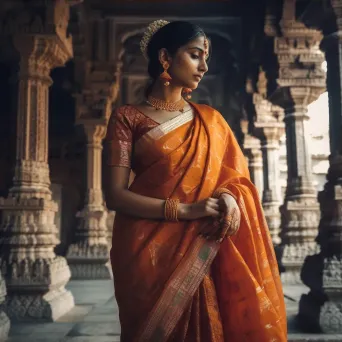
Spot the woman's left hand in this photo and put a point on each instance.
(228, 223)
(231, 215)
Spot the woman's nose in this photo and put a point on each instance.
(204, 67)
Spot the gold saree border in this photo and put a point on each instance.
(168, 126)
(178, 291)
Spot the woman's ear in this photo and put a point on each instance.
(164, 57)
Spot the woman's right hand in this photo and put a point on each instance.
(208, 207)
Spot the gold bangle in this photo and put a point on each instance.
(220, 191)
(171, 210)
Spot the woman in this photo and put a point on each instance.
(192, 256)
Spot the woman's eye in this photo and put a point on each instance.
(194, 56)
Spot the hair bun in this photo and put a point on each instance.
(152, 28)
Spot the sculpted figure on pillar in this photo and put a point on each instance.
(35, 276)
(300, 81)
(321, 309)
(88, 255)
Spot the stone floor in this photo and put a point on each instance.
(95, 318)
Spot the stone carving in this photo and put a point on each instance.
(300, 58)
(96, 104)
(301, 80)
(89, 255)
(99, 87)
(331, 317)
(321, 308)
(268, 127)
(99, 78)
(35, 276)
(4, 321)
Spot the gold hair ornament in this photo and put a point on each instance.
(148, 34)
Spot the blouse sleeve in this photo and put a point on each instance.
(119, 139)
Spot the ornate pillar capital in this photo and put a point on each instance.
(95, 131)
(101, 83)
(270, 133)
(96, 103)
(39, 54)
(301, 78)
(268, 126)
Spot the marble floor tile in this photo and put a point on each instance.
(91, 339)
(101, 318)
(95, 318)
(95, 329)
(76, 314)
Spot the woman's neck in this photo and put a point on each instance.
(169, 94)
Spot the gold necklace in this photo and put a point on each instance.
(168, 106)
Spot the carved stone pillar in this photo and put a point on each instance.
(253, 154)
(100, 77)
(268, 128)
(301, 81)
(4, 321)
(35, 275)
(89, 255)
(321, 309)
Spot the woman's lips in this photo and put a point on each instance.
(198, 77)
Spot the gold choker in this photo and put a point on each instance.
(168, 106)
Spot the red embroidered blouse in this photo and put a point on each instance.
(126, 125)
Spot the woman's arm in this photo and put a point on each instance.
(120, 199)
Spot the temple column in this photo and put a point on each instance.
(88, 256)
(253, 154)
(268, 127)
(321, 309)
(35, 276)
(301, 81)
(270, 146)
(4, 321)
(269, 134)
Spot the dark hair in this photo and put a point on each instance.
(171, 37)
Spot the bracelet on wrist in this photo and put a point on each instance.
(171, 210)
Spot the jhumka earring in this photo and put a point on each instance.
(165, 76)
(187, 93)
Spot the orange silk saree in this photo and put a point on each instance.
(170, 283)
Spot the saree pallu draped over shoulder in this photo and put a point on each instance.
(170, 283)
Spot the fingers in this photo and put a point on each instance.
(232, 222)
(212, 207)
(223, 227)
(227, 203)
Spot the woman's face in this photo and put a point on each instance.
(189, 64)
